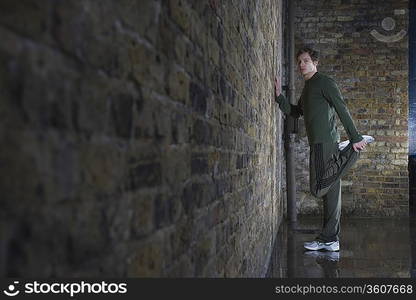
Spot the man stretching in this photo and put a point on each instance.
(320, 101)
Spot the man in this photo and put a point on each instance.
(320, 101)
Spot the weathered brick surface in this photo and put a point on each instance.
(372, 76)
(139, 138)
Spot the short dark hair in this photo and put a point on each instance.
(312, 53)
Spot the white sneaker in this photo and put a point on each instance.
(368, 138)
(318, 245)
(342, 145)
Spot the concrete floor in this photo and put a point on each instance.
(371, 248)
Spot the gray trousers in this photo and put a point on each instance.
(327, 164)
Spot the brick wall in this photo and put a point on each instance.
(139, 137)
(372, 76)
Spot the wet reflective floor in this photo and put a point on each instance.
(369, 248)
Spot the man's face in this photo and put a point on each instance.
(305, 64)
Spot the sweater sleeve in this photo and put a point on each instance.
(333, 95)
(289, 109)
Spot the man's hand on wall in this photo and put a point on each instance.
(277, 86)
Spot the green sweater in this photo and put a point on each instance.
(318, 103)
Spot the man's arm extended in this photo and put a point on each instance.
(334, 97)
(289, 109)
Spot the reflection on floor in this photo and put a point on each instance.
(382, 247)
